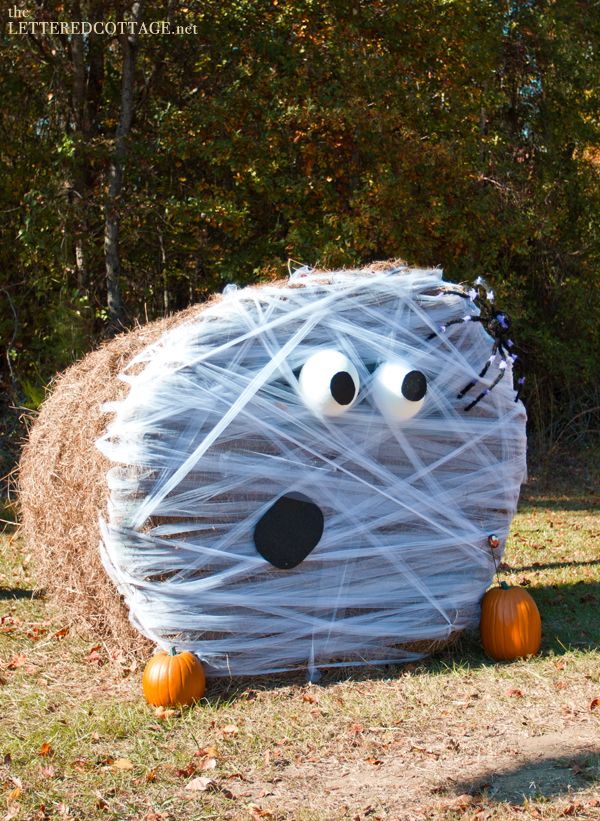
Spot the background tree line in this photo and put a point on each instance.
(138, 175)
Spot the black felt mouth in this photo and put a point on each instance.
(289, 530)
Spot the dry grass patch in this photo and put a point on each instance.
(451, 737)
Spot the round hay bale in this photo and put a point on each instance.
(63, 491)
(263, 512)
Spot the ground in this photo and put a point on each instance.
(457, 736)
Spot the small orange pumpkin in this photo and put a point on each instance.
(172, 679)
(510, 625)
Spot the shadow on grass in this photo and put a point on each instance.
(552, 565)
(589, 503)
(543, 774)
(7, 593)
(569, 623)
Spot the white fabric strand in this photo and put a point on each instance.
(214, 431)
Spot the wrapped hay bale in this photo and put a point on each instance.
(63, 490)
(297, 474)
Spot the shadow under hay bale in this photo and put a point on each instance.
(159, 558)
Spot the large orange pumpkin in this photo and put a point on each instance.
(172, 679)
(510, 625)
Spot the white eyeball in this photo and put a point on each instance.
(399, 390)
(329, 383)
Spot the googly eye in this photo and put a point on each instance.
(399, 390)
(329, 383)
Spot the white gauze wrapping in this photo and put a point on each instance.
(214, 431)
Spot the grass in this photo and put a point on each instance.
(452, 737)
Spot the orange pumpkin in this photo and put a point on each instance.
(172, 679)
(510, 625)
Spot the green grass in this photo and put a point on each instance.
(451, 737)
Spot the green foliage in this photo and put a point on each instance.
(463, 135)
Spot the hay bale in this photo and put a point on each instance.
(63, 491)
(182, 513)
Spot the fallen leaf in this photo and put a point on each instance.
(151, 775)
(259, 812)
(513, 692)
(46, 749)
(60, 634)
(571, 809)
(594, 703)
(229, 729)
(374, 761)
(36, 633)
(94, 657)
(210, 751)
(206, 763)
(16, 661)
(309, 698)
(242, 777)
(201, 784)
(48, 771)
(187, 771)
(123, 764)
(14, 795)
(7, 759)
(356, 728)
(162, 712)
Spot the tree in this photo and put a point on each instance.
(142, 175)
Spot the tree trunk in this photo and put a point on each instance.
(77, 186)
(116, 309)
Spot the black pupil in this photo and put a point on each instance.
(342, 387)
(414, 386)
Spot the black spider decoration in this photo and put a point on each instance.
(497, 323)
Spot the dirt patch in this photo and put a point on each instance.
(431, 777)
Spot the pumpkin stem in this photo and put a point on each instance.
(172, 651)
(504, 585)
